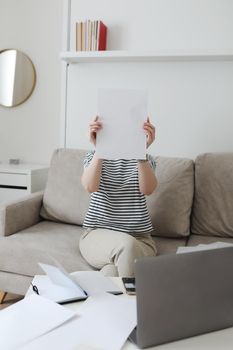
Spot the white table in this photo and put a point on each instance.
(220, 340)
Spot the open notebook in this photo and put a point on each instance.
(60, 286)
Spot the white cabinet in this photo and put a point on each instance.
(16, 181)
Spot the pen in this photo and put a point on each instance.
(35, 289)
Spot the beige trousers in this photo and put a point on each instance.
(114, 252)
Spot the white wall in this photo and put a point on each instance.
(160, 24)
(190, 102)
(31, 131)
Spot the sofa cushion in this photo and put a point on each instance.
(213, 201)
(168, 245)
(65, 199)
(170, 205)
(21, 252)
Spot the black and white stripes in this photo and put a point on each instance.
(118, 204)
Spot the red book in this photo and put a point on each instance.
(102, 36)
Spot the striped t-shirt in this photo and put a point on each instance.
(118, 204)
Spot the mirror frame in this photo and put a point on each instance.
(34, 78)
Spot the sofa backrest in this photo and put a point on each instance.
(213, 201)
(65, 200)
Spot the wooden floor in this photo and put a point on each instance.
(10, 299)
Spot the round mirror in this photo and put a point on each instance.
(17, 77)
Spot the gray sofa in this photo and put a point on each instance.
(193, 204)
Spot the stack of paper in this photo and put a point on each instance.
(199, 247)
(105, 323)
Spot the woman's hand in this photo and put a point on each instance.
(94, 127)
(149, 130)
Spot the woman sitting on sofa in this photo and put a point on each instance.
(118, 226)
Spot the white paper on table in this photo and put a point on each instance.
(122, 112)
(105, 323)
(94, 282)
(200, 247)
(28, 319)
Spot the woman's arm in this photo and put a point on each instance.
(92, 173)
(146, 176)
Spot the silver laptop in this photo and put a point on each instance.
(183, 295)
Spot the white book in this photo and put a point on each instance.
(97, 35)
(86, 35)
(93, 36)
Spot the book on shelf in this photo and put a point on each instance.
(91, 36)
(102, 36)
(83, 36)
(79, 36)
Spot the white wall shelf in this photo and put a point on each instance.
(144, 56)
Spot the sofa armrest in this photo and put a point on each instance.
(20, 214)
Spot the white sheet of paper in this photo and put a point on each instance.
(122, 112)
(199, 247)
(105, 323)
(94, 282)
(28, 319)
